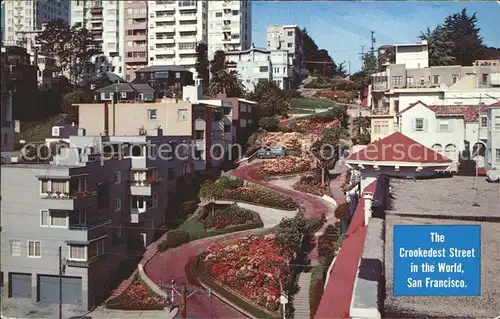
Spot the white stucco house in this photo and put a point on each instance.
(397, 156)
(493, 134)
(261, 66)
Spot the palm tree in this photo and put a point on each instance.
(226, 82)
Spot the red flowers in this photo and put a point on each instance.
(259, 195)
(311, 185)
(137, 297)
(253, 267)
(286, 165)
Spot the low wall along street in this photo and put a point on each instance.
(437, 260)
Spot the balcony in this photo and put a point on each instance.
(136, 59)
(165, 40)
(86, 232)
(165, 18)
(136, 37)
(188, 17)
(165, 28)
(382, 111)
(380, 86)
(187, 28)
(70, 201)
(187, 40)
(187, 50)
(136, 26)
(163, 50)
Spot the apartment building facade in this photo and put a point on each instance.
(26, 16)
(410, 80)
(75, 204)
(229, 26)
(174, 30)
(256, 66)
(136, 37)
(290, 38)
(7, 129)
(105, 20)
(208, 135)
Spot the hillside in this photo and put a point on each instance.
(38, 131)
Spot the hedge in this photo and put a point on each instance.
(315, 289)
(123, 301)
(231, 296)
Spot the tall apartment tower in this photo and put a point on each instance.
(136, 37)
(26, 16)
(104, 18)
(290, 38)
(229, 26)
(174, 30)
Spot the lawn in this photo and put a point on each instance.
(304, 103)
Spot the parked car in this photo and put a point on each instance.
(271, 152)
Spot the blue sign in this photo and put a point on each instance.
(437, 260)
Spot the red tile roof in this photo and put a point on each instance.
(397, 148)
(336, 299)
(495, 104)
(469, 112)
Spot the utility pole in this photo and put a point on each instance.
(372, 42)
(362, 53)
(60, 281)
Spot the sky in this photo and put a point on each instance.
(342, 27)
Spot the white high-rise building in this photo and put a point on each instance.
(174, 30)
(105, 20)
(229, 26)
(26, 16)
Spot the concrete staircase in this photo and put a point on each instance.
(301, 299)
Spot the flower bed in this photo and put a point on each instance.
(137, 297)
(229, 216)
(286, 165)
(311, 185)
(259, 195)
(315, 127)
(252, 267)
(292, 141)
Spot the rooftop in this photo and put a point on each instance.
(438, 202)
(397, 148)
(162, 68)
(470, 113)
(127, 87)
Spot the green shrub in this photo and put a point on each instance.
(270, 124)
(229, 216)
(175, 238)
(327, 244)
(314, 224)
(305, 103)
(260, 196)
(190, 206)
(228, 182)
(342, 211)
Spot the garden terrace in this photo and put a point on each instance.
(312, 185)
(286, 165)
(251, 268)
(138, 297)
(258, 195)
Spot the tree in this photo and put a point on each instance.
(440, 46)
(226, 83)
(289, 233)
(71, 98)
(273, 100)
(202, 63)
(326, 149)
(456, 41)
(218, 63)
(270, 124)
(362, 125)
(370, 63)
(73, 46)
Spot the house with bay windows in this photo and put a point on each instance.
(75, 205)
(448, 129)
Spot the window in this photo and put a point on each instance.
(95, 249)
(155, 200)
(409, 81)
(444, 125)
(218, 14)
(118, 204)
(182, 114)
(44, 218)
(117, 177)
(263, 69)
(236, 12)
(435, 79)
(290, 45)
(437, 148)
(485, 78)
(450, 151)
(34, 249)
(497, 155)
(419, 124)
(199, 135)
(78, 252)
(58, 219)
(454, 78)
(198, 155)
(484, 121)
(15, 248)
(228, 128)
(171, 174)
(397, 80)
(497, 123)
